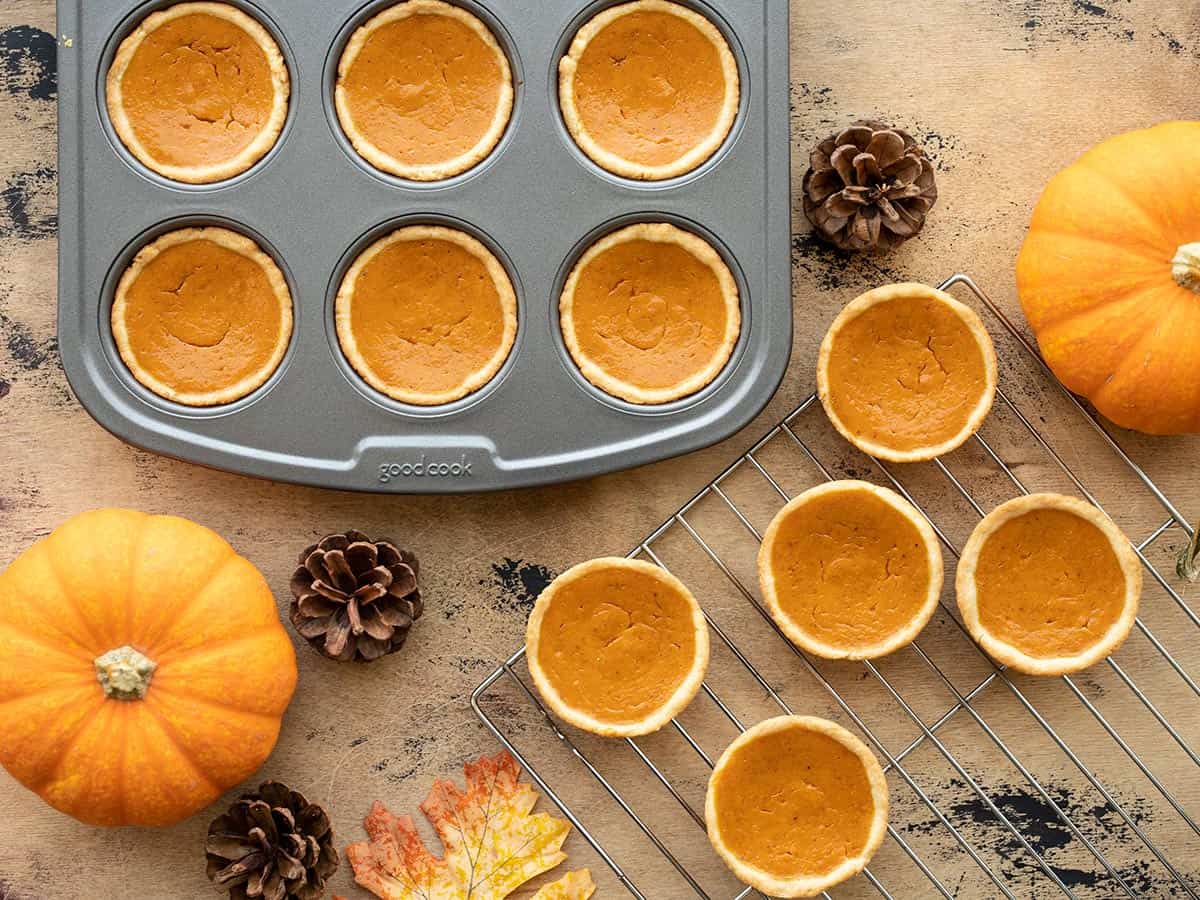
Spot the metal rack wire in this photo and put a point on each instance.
(1172, 874)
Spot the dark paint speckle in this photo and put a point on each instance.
(517, 584)
(28, 206)
(24, 349)
(5, 388)
(28, 63)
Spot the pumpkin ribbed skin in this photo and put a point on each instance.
(177, 593)
(1107, 281)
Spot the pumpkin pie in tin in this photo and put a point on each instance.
(650, 313)
(796, 805)
(907, 373)
(198, 92)
(617, 647)
(424, 90)
(850, 571)
(649, 89)
(1048, 585)
(426, 315)
(202, 316)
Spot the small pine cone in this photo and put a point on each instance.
(272, 844)
(869, 187)
(355, 599)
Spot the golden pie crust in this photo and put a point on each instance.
(426, 315)
(617, 647)
(202, 316)
(399, 116)
(211, 112)
(1057, 575)
(649, 89)
(772, 796)
(850, 571)
(650, 313)
(907, 373)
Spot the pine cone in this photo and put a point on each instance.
(355, 598)
(869, 187)
(272, 844)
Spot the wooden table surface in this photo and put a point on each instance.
(1002, 94)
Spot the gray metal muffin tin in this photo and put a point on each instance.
(537, 201)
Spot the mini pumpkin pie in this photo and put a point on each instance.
(426, 315)
(198, 92)
(649, 89)
(850, 571)
(796, 805)
(650, 313)
(424, 91)
(1048, 585)
(907, 373)
(202, 316)
(617, 647)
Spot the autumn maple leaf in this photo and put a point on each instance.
(493, 842)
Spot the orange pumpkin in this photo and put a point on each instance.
(1110, 278)
(143, 668)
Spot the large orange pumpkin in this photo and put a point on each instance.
(1110, 278)
(143, 668)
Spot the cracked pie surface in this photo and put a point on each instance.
(198, 92)
(907, 373)
(649, 89)
(424, 90)
(202, 316)
(426, 315)
(617, 647)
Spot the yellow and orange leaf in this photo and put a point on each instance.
(493, 841)
(572, 886)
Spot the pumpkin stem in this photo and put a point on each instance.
(1186, 266)
(124, 673)
(1188, 563)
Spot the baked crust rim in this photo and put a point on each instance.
(887, 294)
(252, 153)
(684, 693)
(1005, 653)
(229, 240)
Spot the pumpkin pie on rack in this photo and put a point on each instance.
(650, 313)
(202, 316)
(198, 92)
(796, 805)
(426, 315)
(907, 373)
(424, 90)
(1048, 584)
(617, 647)
(649, 89)
(850, 571)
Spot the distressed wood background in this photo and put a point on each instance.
(1002, 93)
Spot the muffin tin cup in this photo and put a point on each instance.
(537, 202)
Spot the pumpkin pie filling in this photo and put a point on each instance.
(202, 316)
(649, 89)
(907, 372)
(796, 805)
(1049, 583)
(850, 571)
(650, 313)
(198, 92)
(426, 315)
(615, 645)
(424, 91)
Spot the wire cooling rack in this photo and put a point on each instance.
(1002, 785)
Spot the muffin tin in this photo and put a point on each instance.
(312, 203)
